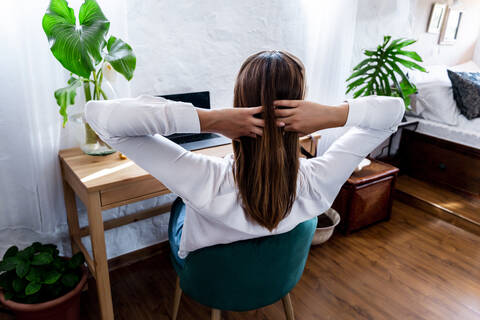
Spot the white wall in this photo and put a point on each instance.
(409, 18)
(185, 46)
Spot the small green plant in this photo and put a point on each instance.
(377, 74)
(37, 273)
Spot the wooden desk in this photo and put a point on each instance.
(108, 182)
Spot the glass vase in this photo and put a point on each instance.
(89, 141)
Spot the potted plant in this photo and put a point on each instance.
(377, 74)
(36, 283)
(83, 49)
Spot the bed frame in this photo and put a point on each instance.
(440, 161)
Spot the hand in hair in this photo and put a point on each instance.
(232, 122)
(306, 117)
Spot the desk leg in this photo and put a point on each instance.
(72, 215)
(97, 236)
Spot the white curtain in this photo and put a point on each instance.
(30, 130)
(330, 30)
(31, 201)
(180, 46)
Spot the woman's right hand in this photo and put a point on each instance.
(232, 122)
(306, 117)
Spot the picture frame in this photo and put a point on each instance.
(436, 18)
(451, 25)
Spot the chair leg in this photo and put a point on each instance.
(216, 314)
(287, 305)
(176, 299)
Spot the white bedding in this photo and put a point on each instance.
(466, 132)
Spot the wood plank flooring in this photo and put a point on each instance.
(458, 208)
(414, 266)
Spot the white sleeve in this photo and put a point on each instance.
(370, 121)
(135, 128)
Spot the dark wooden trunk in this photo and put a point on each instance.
(366, 197)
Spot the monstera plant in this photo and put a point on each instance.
(82, 47)
(381, 72)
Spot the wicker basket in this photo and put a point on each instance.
(323, 234)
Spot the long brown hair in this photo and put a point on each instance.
(266, 168)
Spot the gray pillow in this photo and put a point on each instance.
(466, 92)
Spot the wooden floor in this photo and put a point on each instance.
(451, 205)
(415, 266)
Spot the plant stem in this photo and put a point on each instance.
(103, 94)
(94, 85)
(90, 135)
(86, 89)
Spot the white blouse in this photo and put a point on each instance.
(205, 183)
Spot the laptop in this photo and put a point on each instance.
(195, 141)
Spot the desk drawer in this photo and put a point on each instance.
(132, 191)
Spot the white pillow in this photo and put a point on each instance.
(476, 54)
(434, 100)
(433, 74)
(469, 66)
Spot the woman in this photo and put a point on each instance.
(263, 188)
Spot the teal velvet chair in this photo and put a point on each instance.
(243, 275)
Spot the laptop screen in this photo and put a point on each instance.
(198, 99)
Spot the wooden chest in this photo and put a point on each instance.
(366, 197)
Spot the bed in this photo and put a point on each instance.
(467, 132)
(445, 147)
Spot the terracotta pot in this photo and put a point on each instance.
(66, 307)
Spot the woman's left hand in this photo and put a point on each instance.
(232, 122)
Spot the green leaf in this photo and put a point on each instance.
(359, 92)
(386, 39)
(121, 57)
(27, 253)
(360, 72)
(18, 284)
(77, 48)
(393, 44)
(362, 63)
(76, 261)
(11, 252)
(22, 268)
(411, 54)
(66, 97)
(9, 264)
(4, 280)
(8, 295)
(70, 280)
(42, 258)
(59, 264)
(386, 83)
(404, 43)
(397, 69)
(369, 53)
(51, 277)
(32, 288)
(34, 275)
(51, 247)
(355, 84)
(37, 246)
(410, 64)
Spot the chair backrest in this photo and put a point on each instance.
(249, 274)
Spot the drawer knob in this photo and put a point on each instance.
(442, 166)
